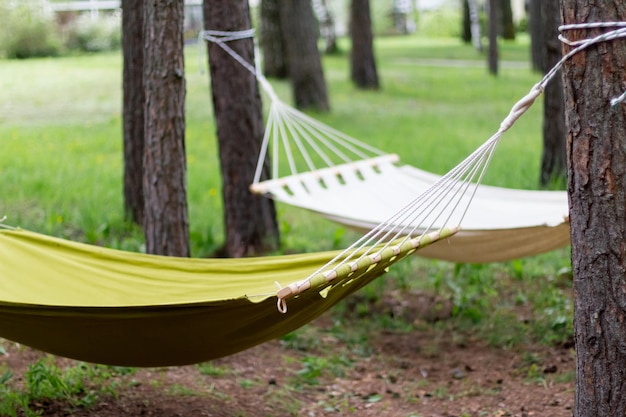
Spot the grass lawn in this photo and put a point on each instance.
(61, 170)
(61, 158)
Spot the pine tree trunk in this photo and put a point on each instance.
(272, 45)
(303, 58)
(133, 108)
(506, 19)
(362, 61)
(166, 225)
(537, 39)
(466, 28)
(492, 54)
(596, 134)
(553, 167)
(250, 220)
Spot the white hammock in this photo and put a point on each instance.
(354, 184)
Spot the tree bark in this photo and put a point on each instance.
(303, 58)
(272, 45)
(537, 39)
(492, 55)
(133, 108)
(166, 225)
(553, 167)
(362, 60)
(250, 220)
(596, 134)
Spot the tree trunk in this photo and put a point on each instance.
(506, 19)
(166, 224)
(133, 108)
(475, 25)
(250, 220)
(492, 55)
(362, 61)
(303, 58)
(536, 29)
(272, 45)
(466, 29)
(553, 167)
(596, 134)
(327, 26)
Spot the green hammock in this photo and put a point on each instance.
(121, 308)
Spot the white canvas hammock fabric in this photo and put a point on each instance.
(354, 184)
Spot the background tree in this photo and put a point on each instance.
(466, 27)
(362, 60)
(507, 30)
(133, 108)
(492, 53)
(474, 23)
(596, 134)
(328, 31)
(272, 45)
(553, 166)
(537, 39)
(303, 57)
(250, 220)
(166, 225)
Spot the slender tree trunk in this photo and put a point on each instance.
(475, 25)
(536, 29)
(553, 167)
(166, 224)
(466, 29)
(506, 19)
(133, 107)
(303, 58)
(250, 220)
(272, 45)
(596, 138)
(492, 55)
(362, 61)
(327, 26)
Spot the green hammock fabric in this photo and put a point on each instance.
(129, 309)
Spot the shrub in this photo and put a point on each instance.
(88, 35)
(28, 31)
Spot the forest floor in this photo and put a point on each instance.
(426, 372)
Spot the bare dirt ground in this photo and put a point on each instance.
(422, 373)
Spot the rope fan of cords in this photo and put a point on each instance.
(359, 186)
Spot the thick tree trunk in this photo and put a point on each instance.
(166, 224)
(250, 220)
(303, 58)
(492, 54)
(133, 107)
(362, 60)
(553, 168)
(272, 45)
(536, 28)
(596, 138)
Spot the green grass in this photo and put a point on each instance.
(61, 158)
(61, 173)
